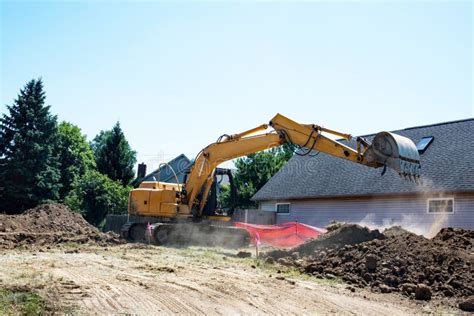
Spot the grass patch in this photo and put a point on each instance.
(297, 274)
(33, 275)
(294, 273)
(71, 245)
(20, 302)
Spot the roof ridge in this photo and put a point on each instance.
(175, 158)
(422, 126)
(168, 163)
(441, 123)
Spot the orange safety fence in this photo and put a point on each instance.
(284, 235)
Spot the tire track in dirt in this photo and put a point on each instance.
(129, 294)
(141, 282)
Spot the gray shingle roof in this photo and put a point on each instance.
(447, 166)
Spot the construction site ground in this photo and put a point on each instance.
(143, 279)
(52, 260)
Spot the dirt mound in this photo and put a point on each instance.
(456, 237)
(397, 261)
(347, 234)
(49, 224)
(395, 231)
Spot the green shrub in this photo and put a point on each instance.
(20, 303)
(94, 195)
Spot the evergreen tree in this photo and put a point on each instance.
(29, 172)
(75, 156)
(114, 156)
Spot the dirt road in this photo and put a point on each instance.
(147, 279)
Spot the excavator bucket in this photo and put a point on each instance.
(396, 152)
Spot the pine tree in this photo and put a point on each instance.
(114, 156)
(29, 171)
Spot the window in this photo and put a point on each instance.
(440, 206)
(282, 208)
(424, 143)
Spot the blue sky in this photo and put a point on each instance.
(179, 74)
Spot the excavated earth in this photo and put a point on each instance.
(49, 224)
(394, 261)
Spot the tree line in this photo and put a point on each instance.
(43, 160)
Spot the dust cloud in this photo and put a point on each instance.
(410, 222)
(424, 224)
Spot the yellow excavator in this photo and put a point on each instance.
(174, 213)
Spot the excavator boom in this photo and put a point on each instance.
(388, 149)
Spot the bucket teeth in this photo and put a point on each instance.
(412, 169)
(416, 178)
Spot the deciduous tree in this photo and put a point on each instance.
(75, 156)
(254, 170)
(94, 195)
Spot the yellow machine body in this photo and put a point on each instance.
(157, 199)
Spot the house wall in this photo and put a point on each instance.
(409, 212)
(254, 217)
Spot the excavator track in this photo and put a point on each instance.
(187, 234)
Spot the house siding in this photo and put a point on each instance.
(409, 212)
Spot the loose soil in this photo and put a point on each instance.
(49, 224)
(395, 261)
(147, 279)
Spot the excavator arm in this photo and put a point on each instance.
(387, 149)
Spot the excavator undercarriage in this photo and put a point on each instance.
(213, 229)
(182, 233)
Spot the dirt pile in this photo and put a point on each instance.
(396, 261)
(49, 224)
(395, 231)
(455, 237)
(346, 234)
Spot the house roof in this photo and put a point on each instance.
(180, 165)
(447, 166)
